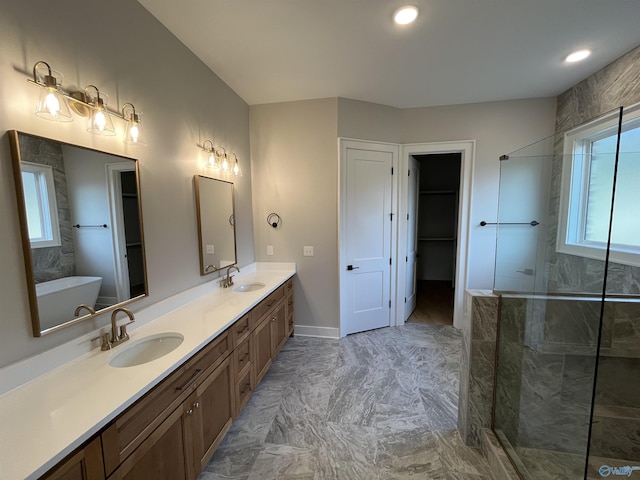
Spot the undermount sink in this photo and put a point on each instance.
(248, 287)
(146, 349)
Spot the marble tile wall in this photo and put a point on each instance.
(475, 398)
(616, 85)
(50, 263)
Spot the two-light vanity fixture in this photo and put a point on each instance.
(56, 105)
(219, 160)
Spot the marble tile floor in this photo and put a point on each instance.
(373, 406)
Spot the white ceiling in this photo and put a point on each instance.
(458, 51)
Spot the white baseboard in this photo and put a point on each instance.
(311, 331)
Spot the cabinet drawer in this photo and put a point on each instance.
(241, 329)
(131, 428)
(242, 356)
(244, 388)
(268, 303)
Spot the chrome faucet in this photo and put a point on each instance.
(227, 281)
(88, 308)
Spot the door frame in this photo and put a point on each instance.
(116, 211)
(467, 150)
(343, 144)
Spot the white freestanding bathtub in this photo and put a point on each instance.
(58, 299)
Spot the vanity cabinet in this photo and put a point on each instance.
(83, 464)
(130, 429)
(172, 432)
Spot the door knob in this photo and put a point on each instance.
(351, 267)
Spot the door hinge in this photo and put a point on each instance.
(391, 170)
(406, 259)
(407, 216)
(389, 303)
(389, 261)
(391, 217)
(405, 299)
(409, 173)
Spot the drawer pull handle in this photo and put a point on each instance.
(271, 303)
(273, 319)
(193, 378)
(244, 358)
(243, 331)
(196, 405)
(246, 389)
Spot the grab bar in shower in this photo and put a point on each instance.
(533, 223)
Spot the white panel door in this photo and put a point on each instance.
(366, 221)
(412, 236)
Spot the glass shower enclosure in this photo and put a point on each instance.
(567, 393)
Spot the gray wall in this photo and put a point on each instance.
(127, 53)
(294, 156)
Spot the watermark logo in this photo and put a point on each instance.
(606, 470)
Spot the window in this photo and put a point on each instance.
(40, 205)
(587, 187)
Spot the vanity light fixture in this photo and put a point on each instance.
(52, 104)
(236, 167)
(224, 162)
(134, 133)
(99, 119)
(405, 15)
(55, 104)
(210, 149)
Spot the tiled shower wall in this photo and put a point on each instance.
(52, 262)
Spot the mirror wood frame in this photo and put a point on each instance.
(16, 157)
(200, 211)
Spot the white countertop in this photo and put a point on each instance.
(45, 419)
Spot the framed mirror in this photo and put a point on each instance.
(216, 224)
(81, 224)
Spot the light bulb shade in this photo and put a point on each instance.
(134, 133)
(212, 161)
(224, 164)
(53, 106)
(236, 170)
(100, 122)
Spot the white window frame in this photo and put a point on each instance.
(47, 204)
(574, 190)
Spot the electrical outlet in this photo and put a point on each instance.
(307, 251)
(211, 249)
(269, 249)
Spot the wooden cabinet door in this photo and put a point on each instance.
(213, 412)
(262, 346)
(85, 464)
(279, 329)
(163, 455)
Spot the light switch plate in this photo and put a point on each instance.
(211, 249)
(269, 249)
(307, 251)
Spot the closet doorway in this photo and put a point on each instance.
(436, 225)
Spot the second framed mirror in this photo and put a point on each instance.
(216, 224)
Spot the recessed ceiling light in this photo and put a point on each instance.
(405, 15)
(577, 56)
